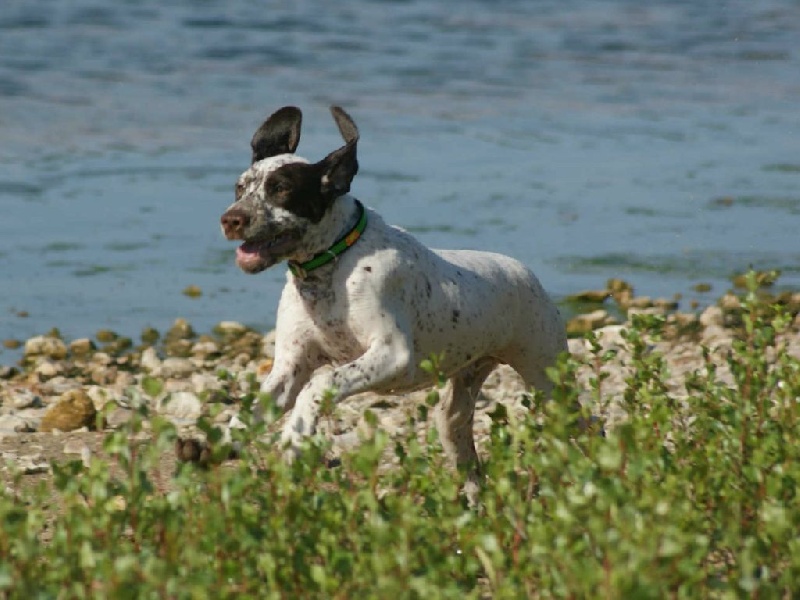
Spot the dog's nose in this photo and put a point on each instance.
(234, 222)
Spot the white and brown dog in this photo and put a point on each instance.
(372, 301)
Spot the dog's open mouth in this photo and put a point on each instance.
(255, 256)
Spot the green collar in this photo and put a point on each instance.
(323, 258)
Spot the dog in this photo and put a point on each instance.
(372, 301)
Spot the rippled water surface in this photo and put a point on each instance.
(655, 141)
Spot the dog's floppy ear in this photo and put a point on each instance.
(345, 124)
(279, 134)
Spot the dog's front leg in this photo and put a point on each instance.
(382, 365)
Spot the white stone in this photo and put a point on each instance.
(177, 367)
(13, 423)
(43, 345)
(150, 360)
(22, 398)
(180, 406)
(711, 316)
(230, 327)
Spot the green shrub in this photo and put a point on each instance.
(689, 499)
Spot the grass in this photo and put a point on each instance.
(691, 499)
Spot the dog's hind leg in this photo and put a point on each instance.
(454, 415)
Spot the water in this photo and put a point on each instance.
(658, 142)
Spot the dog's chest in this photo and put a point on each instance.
(326, 309)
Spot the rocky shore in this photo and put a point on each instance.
(64, 396)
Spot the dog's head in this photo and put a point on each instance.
(282, 195)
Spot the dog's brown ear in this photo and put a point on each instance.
(345, 123)
(279, 134)
(338, 170)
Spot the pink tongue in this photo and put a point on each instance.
(247, 253)
(247, 249)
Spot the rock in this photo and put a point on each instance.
(174, 347)
(588, 322)
(640, 302)
(590, 296)
(205, 348)
(730, 302)
(32, 465)
(100, 395)
(11, 344)
(58, 385)
(684, 319)
(177, 367)
(180, 406)
(74, 410)
(712, 316)
(47, 370)
(77, 446)
(50, 347)
(117, 417)
(193, 291)
(105, 336)
(82, 347)
(180, 330)
(623, 298)
(150, 360)
(229, 328)
(13, 423)
(714, 336)
(103, 375)
(615, 285)
(202, 381)
(665, 304)
(149, 336)
(7, 372)
(101, 358)
(24, 398)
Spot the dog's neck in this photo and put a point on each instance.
(340, 219)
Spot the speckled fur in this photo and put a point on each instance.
(388, 303)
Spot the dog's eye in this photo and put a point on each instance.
(277, 187)
(239, 190)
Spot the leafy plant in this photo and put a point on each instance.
(694, 498)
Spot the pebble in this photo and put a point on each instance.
(47, 370)
(7, 371)
(27, 402)
(205, 348)
(231, 328)
(23, 398)
(74, 410)
(31, 465)
(48, 346)
(150, 360)
(117, 417)
(590, 296)
(82, 347)
(58, 385)
(13, 423)
(180, 406)
(711, 317)
(730, 302)
(176, 367)
(589, 321)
